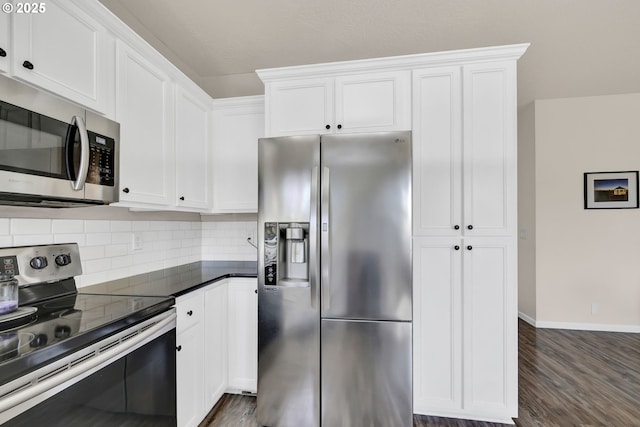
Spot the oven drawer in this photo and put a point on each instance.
(190, 310)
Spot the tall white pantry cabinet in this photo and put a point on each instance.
(462, 114)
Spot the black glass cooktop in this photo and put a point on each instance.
(66, 324)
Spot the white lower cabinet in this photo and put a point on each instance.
(190, 383)
(243, 335)
(215, 350)
(216, 344)
(465, 321)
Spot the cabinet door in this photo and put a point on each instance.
(67, 52)
(189, 378)
(190, 364)
(243, 335)
(489, 145)
(437, 151)
(5, 49)
(299, 107)
(192, 142)
(490, 327)
(237, 125)
(437, 325)
(145, 111)
(373, 102)
(215, 344)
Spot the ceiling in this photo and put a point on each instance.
(578, 47)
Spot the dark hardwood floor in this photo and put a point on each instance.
(566, 378)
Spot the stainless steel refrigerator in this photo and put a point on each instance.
(334, 280)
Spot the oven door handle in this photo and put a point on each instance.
(71, 374)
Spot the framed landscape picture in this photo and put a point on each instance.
(611, 190)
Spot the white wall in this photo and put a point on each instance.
(526, 213)
(585, 257)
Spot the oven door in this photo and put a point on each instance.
(128, 379)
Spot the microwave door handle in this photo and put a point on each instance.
(78, 184)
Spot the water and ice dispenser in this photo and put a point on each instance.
(286, 254)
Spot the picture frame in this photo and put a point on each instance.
(611, 190)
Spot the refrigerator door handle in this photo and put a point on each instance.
(313, 237)
(325, 242)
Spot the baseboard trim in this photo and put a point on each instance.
(596, 327)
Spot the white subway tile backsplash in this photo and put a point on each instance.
(30, 226)
(96, 265)
(120, 226)
(106, 246)
(122, 261)
(4, 226)
(91, 252)
(79, 238)
(97, 226)
(140, 225)
(94, 239)
(115, 250)
(33, 239)
(67, 226)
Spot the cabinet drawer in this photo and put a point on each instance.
(190, 310)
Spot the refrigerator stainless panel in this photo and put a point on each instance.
(366, 226)
(366, 373)
(288, 316)
(285, 167)
(288, 359)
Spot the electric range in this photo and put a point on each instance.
(59, 322)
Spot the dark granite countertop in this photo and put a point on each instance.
(175, 281)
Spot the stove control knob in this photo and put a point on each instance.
(63, 259)
(39, 340)
(38, 263)
(62, 331)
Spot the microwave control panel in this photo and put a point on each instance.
(101, 160)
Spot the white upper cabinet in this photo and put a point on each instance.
(63, 50)
(489, 148)
(437, 151)
(145, 111)
(365, 102)
(464, 142)
(192, 148)
(5, 49)
(299, 107)
(373, 102)
(237, 125)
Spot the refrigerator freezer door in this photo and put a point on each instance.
(288, 316)
(366, 226)
(370, 383)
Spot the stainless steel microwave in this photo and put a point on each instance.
(54, 153)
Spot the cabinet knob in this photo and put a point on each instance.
(28, 65)
(179, 348)
(256, 291)
(469, 247)
(456, 247)
(181, 197)
(3, 52)
(470, 227)
(339, 126)
(125, 190)
(190, 313)
(456, 227)
(327, 127)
